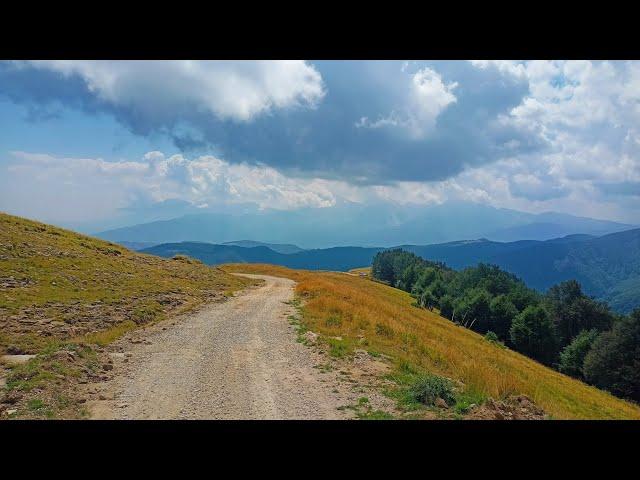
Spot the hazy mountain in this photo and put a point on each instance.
(336, 258)
(136, 245)
(276, 247)
(372, 225)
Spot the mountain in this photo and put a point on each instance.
(136, 245)
(336, 258)
(276, 247)
(364, 225)
(608, 267)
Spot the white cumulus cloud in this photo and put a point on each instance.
(237, 90)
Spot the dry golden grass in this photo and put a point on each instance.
(365, 271)
(356, 309)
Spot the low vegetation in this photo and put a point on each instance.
(60, 290)
(385, 320)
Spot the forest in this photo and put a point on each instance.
(562, 328)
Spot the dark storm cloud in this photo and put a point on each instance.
(324, 140)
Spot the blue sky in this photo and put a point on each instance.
(90, 142)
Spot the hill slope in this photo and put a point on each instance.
(367, 314)
(57, 284)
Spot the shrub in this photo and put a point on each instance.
(491, 337)
(426, 389)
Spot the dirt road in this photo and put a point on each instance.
(234, 360)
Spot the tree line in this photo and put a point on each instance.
(562, 328)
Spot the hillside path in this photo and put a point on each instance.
(234, 360)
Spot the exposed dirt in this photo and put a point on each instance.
(518, 407)
(235, 360)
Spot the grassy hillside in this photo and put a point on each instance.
(371, 315)
(56, 283)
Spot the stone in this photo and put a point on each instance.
(12, 411)
(107, 367)
(16, 359)
(440, 403)
(311, 337)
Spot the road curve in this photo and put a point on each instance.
(233, 360)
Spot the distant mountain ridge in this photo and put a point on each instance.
(608, 267)
(276, 247)
(352, 224)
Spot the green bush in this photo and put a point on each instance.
(491, 337)
(426, 389)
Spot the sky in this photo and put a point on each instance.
(97, 144)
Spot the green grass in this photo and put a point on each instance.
(70, 292)
(77, 285)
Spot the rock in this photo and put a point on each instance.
(107, 367)
(311, 338)
(82, 400)
(13, 350)
(11, 397)
(16, 359)
(440, 403)
(122, 405)
(12, 411)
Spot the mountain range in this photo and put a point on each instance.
(365, 225)
(608, 266)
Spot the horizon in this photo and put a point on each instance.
(98, 145)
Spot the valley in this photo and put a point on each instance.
(607, 267)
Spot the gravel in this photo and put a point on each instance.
(233, 360)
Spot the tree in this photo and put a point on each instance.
(572, 311)
(425, 278)
(475, 309)
(502, 314)
(573, 355)
(428, 300)
(613, 363)
(408, 277)
(446, 306)
(532, 333)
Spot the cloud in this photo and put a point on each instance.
(428, 97)
(433, 118)
(76, 189)
(530, 135)
(229, 90)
